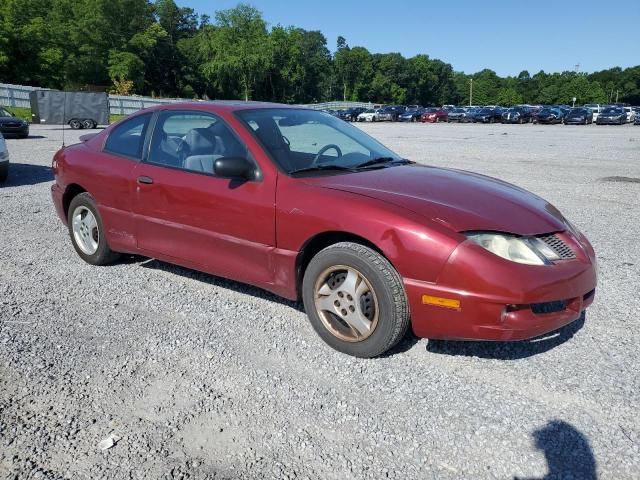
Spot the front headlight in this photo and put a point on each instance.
(527, 250)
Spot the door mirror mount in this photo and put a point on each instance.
(234, 167)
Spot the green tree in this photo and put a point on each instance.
(237, 56)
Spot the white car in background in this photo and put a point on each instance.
(631, 114)
(4, 159)
(370, 115)
(596, 108)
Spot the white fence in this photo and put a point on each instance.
(15, 95)
(18, 96)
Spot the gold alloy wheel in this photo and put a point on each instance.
(346, 303)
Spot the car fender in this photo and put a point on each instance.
(417, 246)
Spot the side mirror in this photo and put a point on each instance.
(233, 167)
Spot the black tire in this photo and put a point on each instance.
(75, 124)
(393, 314)
(88, 124)
(4, 171)
(103, 255)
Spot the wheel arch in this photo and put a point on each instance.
(70, 193)
(321, 241)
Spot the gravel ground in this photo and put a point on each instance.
(201, 377)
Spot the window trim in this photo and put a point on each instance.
(258, 177)
(144, 136)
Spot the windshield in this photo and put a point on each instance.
(5, 113)
(578, 111)
(299, 139)
(612, 110)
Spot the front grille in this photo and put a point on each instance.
(556, 244)
(548, 307)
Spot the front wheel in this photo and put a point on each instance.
(87, 231)
(88, 124)
(75, 124)
(355, 300)
(4, 171)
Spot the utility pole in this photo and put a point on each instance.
(471, 92)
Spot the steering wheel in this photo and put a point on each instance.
(331, 146)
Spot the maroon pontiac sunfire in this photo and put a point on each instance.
(302, 204)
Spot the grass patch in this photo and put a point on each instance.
(115, 117)
(20, 112)
(25, 114)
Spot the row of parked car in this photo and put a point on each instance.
(544, 114)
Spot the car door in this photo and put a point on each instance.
(186, 214)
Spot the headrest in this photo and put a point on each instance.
(201, 141)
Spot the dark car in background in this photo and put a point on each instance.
(612, 116)
(460, 115)
(411, 114)
(394, 111)
(12, 126)
(516, 115)
(549, 116)
(579, 116)
(488, 115)
(434, 115)
(351, 114)
(4, 159)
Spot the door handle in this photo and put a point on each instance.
(146, 180)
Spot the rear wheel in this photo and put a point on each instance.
(355, 300)
(87, 231)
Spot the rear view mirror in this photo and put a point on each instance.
(233, 167)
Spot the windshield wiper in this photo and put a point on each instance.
(382, 161)
(319, 168)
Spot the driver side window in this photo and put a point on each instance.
(193, 141)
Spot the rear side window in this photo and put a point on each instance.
(128, 138)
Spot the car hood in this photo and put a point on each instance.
(460, 200)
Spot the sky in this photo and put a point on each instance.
(505, 36)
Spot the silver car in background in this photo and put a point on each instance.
(4, 159)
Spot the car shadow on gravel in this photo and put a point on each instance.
(507, 350)
(567, 451)
(212, 280)
(27, 174)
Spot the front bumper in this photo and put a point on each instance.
(15, 130)
(610, 121)
(503, 300)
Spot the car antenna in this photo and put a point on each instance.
(64, 114)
